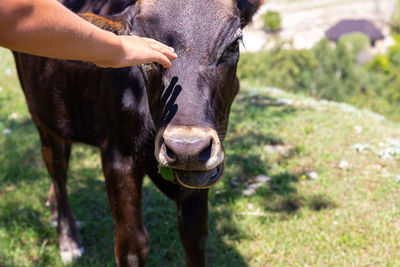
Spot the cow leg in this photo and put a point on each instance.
(56, 155)
(124, 189)
(192, 222)
(192, 215)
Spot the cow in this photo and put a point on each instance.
(142, 117)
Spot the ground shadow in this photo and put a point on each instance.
(279, 194)
(90, 205)
(166, 250)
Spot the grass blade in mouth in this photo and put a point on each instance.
(166, 173)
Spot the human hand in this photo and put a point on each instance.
(137, 50)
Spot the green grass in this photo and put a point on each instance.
(346, 217)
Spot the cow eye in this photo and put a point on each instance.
(231, 52)
(234, 47)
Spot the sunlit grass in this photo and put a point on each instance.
(346, 217)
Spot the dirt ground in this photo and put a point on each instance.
(304, 22)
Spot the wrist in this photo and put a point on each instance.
(111, 51)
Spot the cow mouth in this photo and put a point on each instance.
(199, 179)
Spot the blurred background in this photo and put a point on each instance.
(334, 49)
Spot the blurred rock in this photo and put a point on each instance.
(262, 178)
(312, 175)
(282, 150)
(250, 190)
(358, 129)
(285, 101)
(259, 181)
(13, 116)
(361, 147)
(389, 153)
(8, 72)
(235, 181)
(343, 164)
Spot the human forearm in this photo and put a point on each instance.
(46, 28)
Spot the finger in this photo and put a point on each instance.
(170, 54)
(155, 43)
(163, 60)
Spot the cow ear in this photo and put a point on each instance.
(120, 24)
(109, 23)
(247, 8)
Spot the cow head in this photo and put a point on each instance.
(190, 102)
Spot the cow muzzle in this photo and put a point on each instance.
(195, 154)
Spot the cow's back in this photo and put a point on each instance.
(104, 7)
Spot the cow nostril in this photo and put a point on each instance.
(167, 151)
(170, 153)
(205, 155)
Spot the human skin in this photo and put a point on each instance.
(46, 28)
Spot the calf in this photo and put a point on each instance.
(142, 117)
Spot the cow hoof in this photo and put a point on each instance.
(71, 255)
(131, 260)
